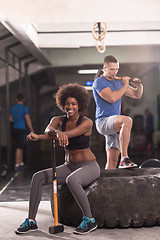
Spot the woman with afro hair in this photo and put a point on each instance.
(72, 131)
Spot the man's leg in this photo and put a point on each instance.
(106, 127)
(123, 125)
(20, 140)
(112, 158)
(18, 156)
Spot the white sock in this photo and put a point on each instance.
(124, 158)
(31, 220)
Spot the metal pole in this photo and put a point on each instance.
(28, 98)
(20, 59)
(28, 82)
(8, 128)
(0, 139)
(20, 76)
(8, 111)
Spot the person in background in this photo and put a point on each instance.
(19, 115)
(80, 168)
(149, 129)
(107, 92)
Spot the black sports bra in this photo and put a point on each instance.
(79, 142)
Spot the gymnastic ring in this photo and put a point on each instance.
(101, 35)
(101, 48)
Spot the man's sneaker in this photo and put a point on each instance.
(127, 163)
(27, 226)
(86, 226)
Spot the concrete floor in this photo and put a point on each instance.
(13, 214)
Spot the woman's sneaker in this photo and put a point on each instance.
(127, 163)
(86, 226)
(27, 226)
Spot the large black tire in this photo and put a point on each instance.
(119, 198)
(153, 163)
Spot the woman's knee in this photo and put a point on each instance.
(36, 178)
(70, 180)
(40, 178)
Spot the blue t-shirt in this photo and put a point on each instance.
(103, 107)
(18, 112)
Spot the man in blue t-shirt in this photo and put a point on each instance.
(107, 92)
(19, 115)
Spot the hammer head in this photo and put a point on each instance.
(56, 229)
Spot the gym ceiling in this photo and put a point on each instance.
(58, 33)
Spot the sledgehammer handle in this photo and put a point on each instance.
(130, 80)
(54, 184)
(53, 157)
(57, 228)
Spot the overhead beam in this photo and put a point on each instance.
(26, 41)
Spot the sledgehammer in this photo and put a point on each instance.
(57, 228)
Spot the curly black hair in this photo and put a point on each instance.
(72, 90)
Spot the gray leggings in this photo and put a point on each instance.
(76, 176)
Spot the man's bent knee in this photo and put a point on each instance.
(129, 122)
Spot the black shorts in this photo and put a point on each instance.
(20, 137)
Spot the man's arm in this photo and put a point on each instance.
(136, 91)
(29, 122)
(113, 96)
(10, 118)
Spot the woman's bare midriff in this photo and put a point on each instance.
(77, 156)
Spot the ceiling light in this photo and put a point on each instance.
(88, 71)
(89, 88)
